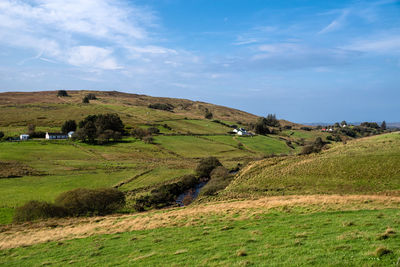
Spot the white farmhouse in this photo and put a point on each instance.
(24, 137)
(51, 136)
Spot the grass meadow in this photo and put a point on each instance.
(275, 238)
(65, 165)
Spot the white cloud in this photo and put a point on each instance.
(92, 57)
(80, 33)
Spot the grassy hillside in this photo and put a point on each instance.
(350, 231)
(368, 165)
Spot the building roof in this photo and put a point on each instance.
(56, 133)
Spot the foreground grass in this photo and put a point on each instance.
(368, 165)
(275, 238)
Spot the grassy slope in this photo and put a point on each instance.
(280, 236)
(369, 165)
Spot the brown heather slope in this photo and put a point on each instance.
(183, 107)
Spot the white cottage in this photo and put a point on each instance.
(51, 136)
(24, 137)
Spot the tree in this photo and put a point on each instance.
(261, 126)
(1, 134)
(85, 100)
(208, 115)
(102, 127)
(337, 125)
(87, 132)
(62, 93)
(272, 121)
(31, 129)
(383, 125)
(68, 126)
(206, 166)
(343, 123)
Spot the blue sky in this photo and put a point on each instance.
(306, 61)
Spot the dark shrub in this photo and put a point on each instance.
(206, 165)
(153, 130)
(1, 134)
(167, 127)
(220, 179)
(306, 128)
(148, 139)
(314, 147)
(370, 125)
(139, 133)
(287, 127)
(348, 132)
(164, 195)
(161, 106)
(68, 126)
(62, 93)
(91, 96)
(208, 115)
(189, 181)
(85, 100)
(83, 201)
(38, 134)
(34, 210)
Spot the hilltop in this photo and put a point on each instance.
(133, 108)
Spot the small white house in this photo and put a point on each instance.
(24, 137)
(51, 136)
(70, 134)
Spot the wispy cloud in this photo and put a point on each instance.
(337, 23)
(387, 44)
(80, 33)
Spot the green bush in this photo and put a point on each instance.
(161, 106)
(164, 195)
(206, 165)
(220, 179)
(315, 147)
(83, 201)
(34, 210)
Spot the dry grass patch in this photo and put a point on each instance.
(31, 233)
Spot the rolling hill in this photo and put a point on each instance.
(362, 166)
(338, 207)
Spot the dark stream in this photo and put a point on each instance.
(193, 193)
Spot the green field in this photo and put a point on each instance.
(66, 165)
(369, 165)
(274, 238)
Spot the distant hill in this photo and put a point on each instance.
(45, 108)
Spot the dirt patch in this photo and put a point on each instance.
(10, 169)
